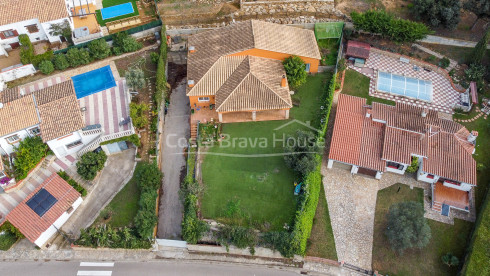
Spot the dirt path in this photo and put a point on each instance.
(175, 136)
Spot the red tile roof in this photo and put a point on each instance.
(28, 222)
(395, 133)
(357, 49)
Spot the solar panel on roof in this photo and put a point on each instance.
(41, 202)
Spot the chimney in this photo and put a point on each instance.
(472, 136)
(190, 83)
(284, 82)
(192, 49)
(368, 113)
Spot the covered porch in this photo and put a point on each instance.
(249, 116)
(444, 197)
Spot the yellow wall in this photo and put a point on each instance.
(280, 56)
(195, 103)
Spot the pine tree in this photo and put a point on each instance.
(480, 48)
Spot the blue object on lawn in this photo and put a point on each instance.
(297, 189)
(93, 81)
(118, 10)
(445, 210)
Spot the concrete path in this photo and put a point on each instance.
(449, 41)
(176, 133)
(114, 176)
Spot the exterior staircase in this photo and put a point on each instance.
(193, 139)
(436, 206)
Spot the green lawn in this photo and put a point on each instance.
(262, 187)
(123, 207)
(329, 50)
(426, 261)
(110, 3)
(321, 243)
(460, 54)
(356, 84)
(7, 240)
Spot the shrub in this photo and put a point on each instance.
(149, 179)
(106, 236)
(450, 260)
(46, 56)
(138, 114)
(60, 62)
(442, 12)
(444, 63)
(77, 57)
(481, 47)
(414, 166)
(125, 43)
(154, 57)
(28, 154)
(381, 22)
(90, 163)
(61, 29)
(46, 67)
(135, 78)
(475, 72)
(73, 183)
(300, 152)
(407, 227)
(161, 81)
(295, 70)
(99, 49)
(241, 237)
(8, 227)
(26, 49)
(134, 138)
(280, 241)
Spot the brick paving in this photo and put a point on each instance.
(444, 95)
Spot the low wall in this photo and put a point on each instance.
(326, 7)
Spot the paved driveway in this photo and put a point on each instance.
(352, 203)
(175, 132)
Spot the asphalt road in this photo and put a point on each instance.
(167, 268)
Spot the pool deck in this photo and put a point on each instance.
(444, 96)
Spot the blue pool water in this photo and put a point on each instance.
(405, 86)
(117, 10)
(93, 81)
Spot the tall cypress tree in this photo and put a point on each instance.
(480, 48)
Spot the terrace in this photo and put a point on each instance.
(449, 196)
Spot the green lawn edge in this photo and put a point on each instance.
(110, 3)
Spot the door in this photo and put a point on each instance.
(14, 45)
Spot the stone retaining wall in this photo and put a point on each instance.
(326, 7)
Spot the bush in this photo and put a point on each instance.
(450, 260)
(135, 78)
(46, 56)
(442, 12)
(90, 164)
(134, 138)
(481, 47)
(99, 49)
(125, 43)
(241, 237)
(414, 166)
(300, 152)
(161, 81)
(444, 63)
(77, 57)
(407, 227)
(46, 67)
(154, 57)
(149, 179)
(138, 114)
(295, 70)
(381, 22)
(280, 241)
(60, 62)
(106, 236)
(73, 183)
(8, 227)
(29, 153)
(26, 49)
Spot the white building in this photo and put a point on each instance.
(31, 18)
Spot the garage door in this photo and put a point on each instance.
(367, 172)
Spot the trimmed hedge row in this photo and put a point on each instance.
(161, 81)
(134, 138)
(73, 183)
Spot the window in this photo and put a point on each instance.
(430, 176)
(394, 165)
(13, 139)
(35, 131)
(9, 33)
(74, 144)
(32, 28)
(308, 67)
(203, 99)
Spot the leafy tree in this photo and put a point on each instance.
(77, 57)
(154, 57)
(300, 152)
(99, 49)
(26, 49)
(28, 154)
(440, 12)
(295, 70)
(475, 72)
(90, 163)
(480, 48)
(450, 260)
(407, 227)
(149, 177)
(193, 228)
(61, 29)
(138, 114)
(385, 24)
(135, 78)
(61, 62)
(46, 67)
(122, 42)
(480, 7)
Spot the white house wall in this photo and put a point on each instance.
(463, 187)
(20, 27)
(46, 235)
(9, 148)
(58, 146)
(47, 26)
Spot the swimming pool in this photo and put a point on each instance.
(405, 86)
(93, 81)
(118, 10)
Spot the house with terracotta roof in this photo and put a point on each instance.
(236, 72)
(43, 212)
(378, 138)
(34, 19)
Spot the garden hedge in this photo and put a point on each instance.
(161, 81)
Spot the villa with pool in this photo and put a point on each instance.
(72, 116)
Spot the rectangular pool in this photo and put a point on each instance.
(93, 81)
(118, 10)
(404, 86)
